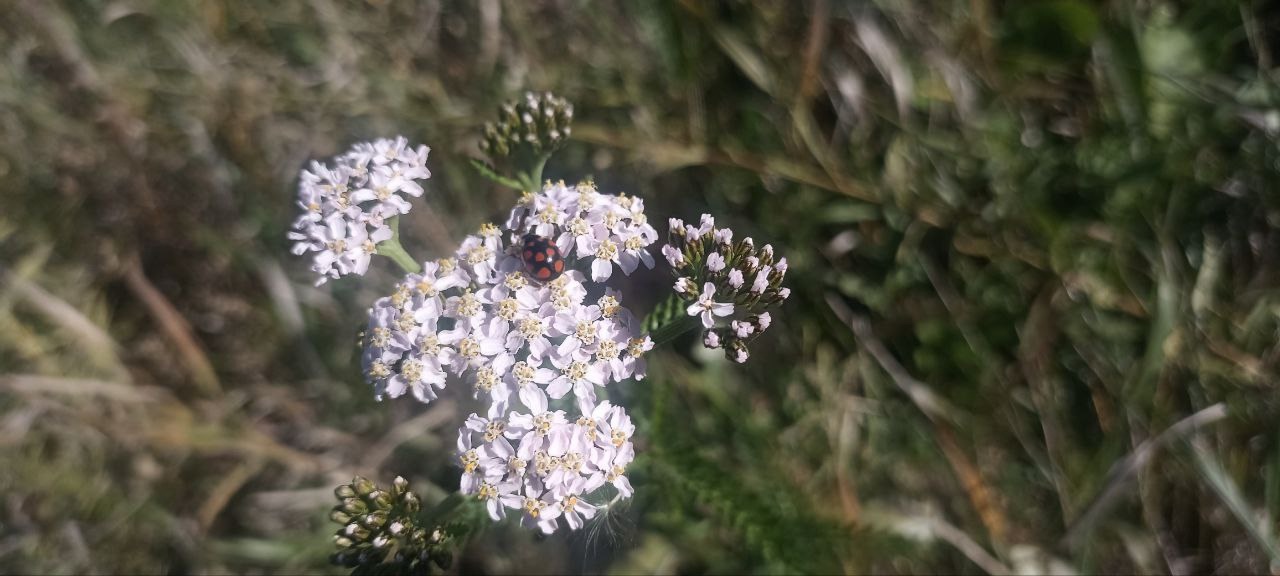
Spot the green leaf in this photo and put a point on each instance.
(488, 172)
(1227, 491)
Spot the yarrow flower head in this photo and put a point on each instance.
(347, 206)
(729, 286)
(547, 466)
(537, 123)
(602, 229)
(521, 344)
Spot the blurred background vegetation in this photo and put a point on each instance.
(1035, 248)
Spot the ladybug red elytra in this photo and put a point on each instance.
(542, 259)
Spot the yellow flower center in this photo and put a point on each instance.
(429, 343)
(572, 462)
(412, 370)
(514, 281)
(507, 309)
(494, 430)
(608, 350)
(486, 378)
(586, 331)
(608, 306)
(543, 463)
(478, 254)
(530, 328)
(542, 423)
(468, 305)
(523, 372)
(405, 322)
(401, 296)
(533, 506)
(469, 348)
(589, 428)
(470, 461)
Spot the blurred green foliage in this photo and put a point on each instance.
(1034, 252)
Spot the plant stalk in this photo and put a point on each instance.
(392, 249)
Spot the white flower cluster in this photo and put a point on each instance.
(586, 224)
(481, 318)
(555, 465)
(345, 207)
(719, 277)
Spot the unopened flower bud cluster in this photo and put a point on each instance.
(730, 286)
(539, 123)
(520, 343)
(346, 206)
(379, 527)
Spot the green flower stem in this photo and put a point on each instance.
(535, 175)
(531, 181)
(392, 249)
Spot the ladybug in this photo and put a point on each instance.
(542, 259)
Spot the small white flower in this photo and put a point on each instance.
(711, 339)
(574, 508)
(635, 252)
(742, 329)
(579, 374)
(634, 356)
(674, 257)
(762, 280)
(735, 279)
(715, 262)
(705, 226)
(707, 307)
